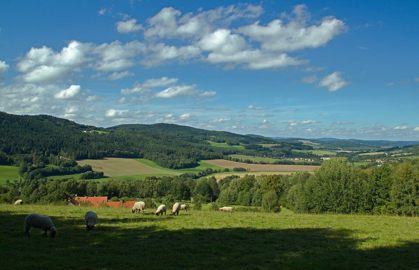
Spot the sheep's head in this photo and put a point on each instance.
(53, 232)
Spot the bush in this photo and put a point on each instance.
(270, 202)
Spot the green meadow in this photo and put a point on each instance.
(208, 239)
(8, 173)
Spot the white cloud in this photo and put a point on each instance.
(416, 129)
(401, 127)
(308, 122)
(208, 94)
(102, 11)
(68, 93)
(117, 56)
(44, 65)
(295, 34)
(128, 26)
(333, 82)
(149, 84)
(3, 66)
(70, 112)
(175, 91)
(113, 113)
(185, 116)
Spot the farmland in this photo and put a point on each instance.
(139, 168)
(208, 240)
(8, 173)
(261, 167)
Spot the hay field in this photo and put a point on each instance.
(263, 167)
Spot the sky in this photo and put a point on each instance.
(344, 69)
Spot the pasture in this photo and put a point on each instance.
(262, 167)
(208, 240)
(8, 173)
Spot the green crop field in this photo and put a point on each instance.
(208, 240)
(8, 173)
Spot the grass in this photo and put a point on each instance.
(225, 145)
(8, 173)
(208, 240)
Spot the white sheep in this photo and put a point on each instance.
(226, 209)
(175, 209)
(161, 209)
(138, 207)
(41, 222)
(18, 202)
(184, 207)
(90, 219)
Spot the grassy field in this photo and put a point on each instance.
(262, 167)
(222, 175)
(8, 173)
(137, 169)
(208, 240)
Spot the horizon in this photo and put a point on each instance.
(295, 69)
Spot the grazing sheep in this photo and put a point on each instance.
(184, 207)
(226, 209)
(90, 219)
(161, 209)
(41, 222)
(138, 207)
(175, 209)
(18, 202)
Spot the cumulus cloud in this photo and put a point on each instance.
(45, 65)
(119, 75)
(3, 66)
(333, 82)
(294, 34)
(416, 129)
(116, 56)
(114, 113)
(400, 127)
(128, 26)
(68, 93)
(208, 94)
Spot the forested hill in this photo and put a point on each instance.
(169, 145)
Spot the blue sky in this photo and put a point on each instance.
(346, 69)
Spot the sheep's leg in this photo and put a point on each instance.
(45, 233)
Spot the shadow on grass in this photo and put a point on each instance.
(116, 247)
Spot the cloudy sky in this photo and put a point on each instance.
(346, 69)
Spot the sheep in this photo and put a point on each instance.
(175, 209)
(184, 207)
(226, 209)
(138, 207)
(90, 219)
(161, 209)
(18, 202)
(41, 222)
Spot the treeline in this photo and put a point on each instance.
(170, 146)
(337, 187)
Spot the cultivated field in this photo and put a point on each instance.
(139, 168)
(222, 175)
(8, 173)
(208, 240)
(262, 167)
(122, 166)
